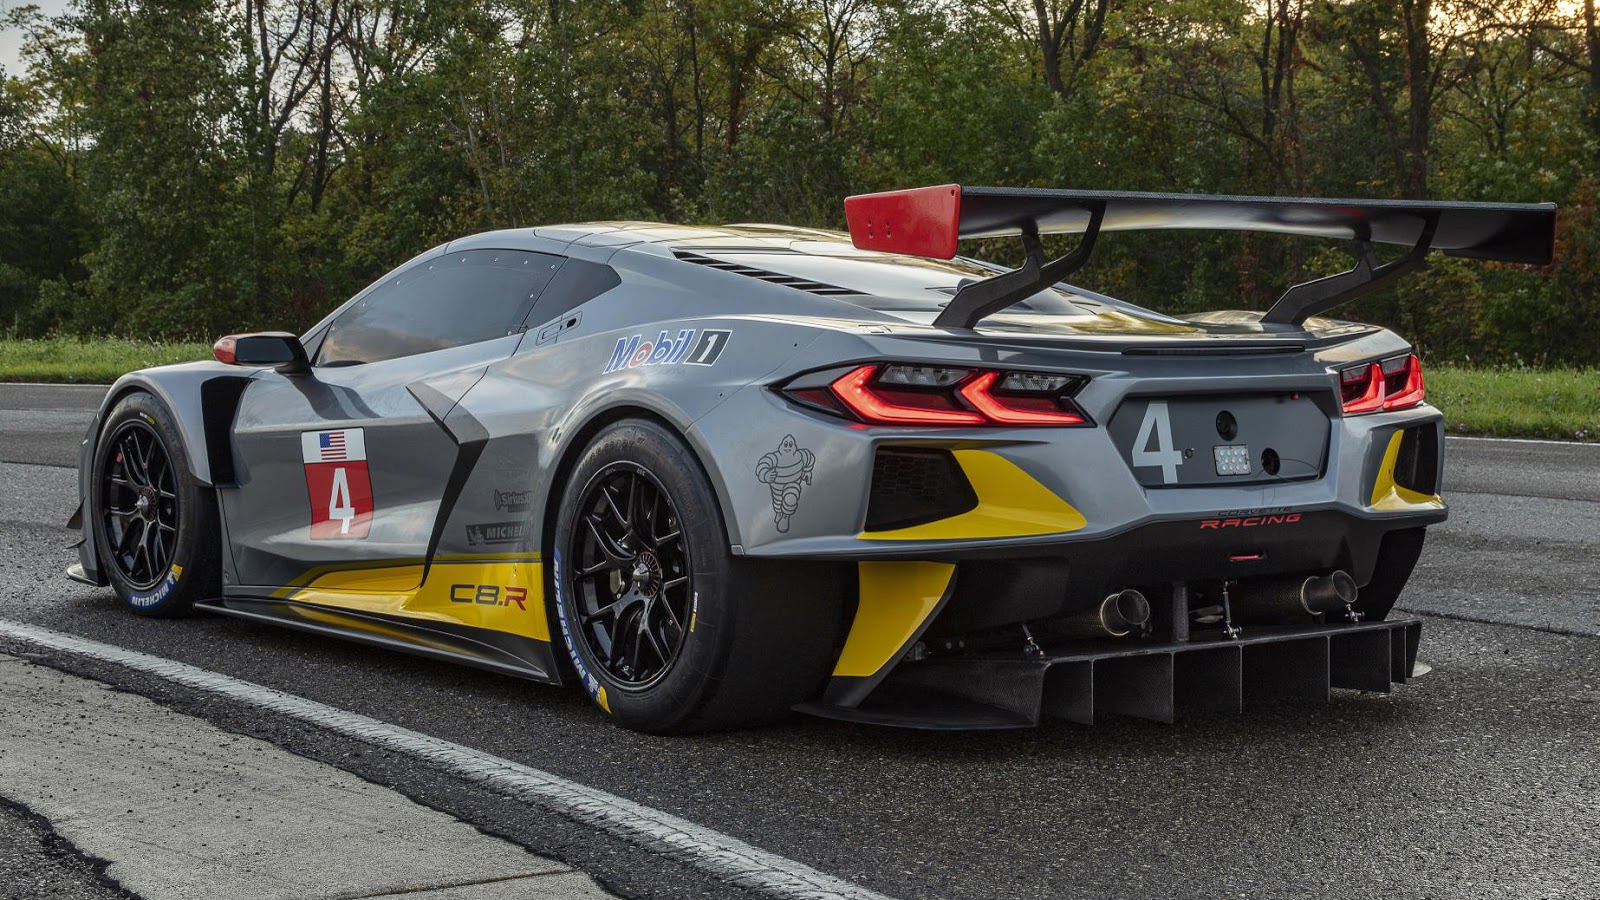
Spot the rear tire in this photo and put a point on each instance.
(640, 549)
(155, 527)
(1396, 558)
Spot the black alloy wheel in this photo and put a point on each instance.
(140, 509)
(666, 627)
(631, 575)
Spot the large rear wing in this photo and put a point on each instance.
(930, 221)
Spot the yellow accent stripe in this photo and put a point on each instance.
(896, 598)
(496, 595)
(1391, 497)
(400, 579)
(312, 575)
(1010, 504)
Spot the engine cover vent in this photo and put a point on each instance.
(800, 284)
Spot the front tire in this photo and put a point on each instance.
(668, 631)
(155, 527)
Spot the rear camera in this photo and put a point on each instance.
(1227, 426)
(1269, 461)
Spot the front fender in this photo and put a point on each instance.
(201, 396)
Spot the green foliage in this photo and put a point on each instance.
(102, 361)
(1556, 404)
(182, 168)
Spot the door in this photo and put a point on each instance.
(344, 468)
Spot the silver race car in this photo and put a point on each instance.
(716, 474)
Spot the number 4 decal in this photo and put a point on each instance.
(339, 505)
(338, 483)
(1157, 424)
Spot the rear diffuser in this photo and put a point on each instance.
(1208, 674)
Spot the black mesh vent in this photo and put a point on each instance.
(1416, 467)
(799, 284)
(913, 486)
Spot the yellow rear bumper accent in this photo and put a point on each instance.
(1391, 497)
(896, 599)
(1010, 504)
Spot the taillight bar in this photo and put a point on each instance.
(892, 394)
(853, 390)
(1387, 385)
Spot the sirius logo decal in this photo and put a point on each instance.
(510, 501)
(685, 349)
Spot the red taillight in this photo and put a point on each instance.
(1014, 410)
(1388, 385)
(1403, 388)
(907, 408)
(224, 349)
(1362, 389)
(922, 395)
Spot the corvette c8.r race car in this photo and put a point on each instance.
(716, 474)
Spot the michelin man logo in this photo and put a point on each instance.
(785, 470)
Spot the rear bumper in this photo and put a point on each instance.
(1156, 681)
(997, 587)
(997, 642)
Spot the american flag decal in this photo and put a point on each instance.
(346, 445)
(332, 446)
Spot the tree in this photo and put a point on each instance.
(1066, 34)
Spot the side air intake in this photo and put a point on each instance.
(799, 284)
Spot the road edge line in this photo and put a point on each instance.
(1510, 440)
(722, 856)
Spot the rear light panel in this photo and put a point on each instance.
(1386, 385)
(891, 394)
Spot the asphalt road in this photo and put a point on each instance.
(1480, 780)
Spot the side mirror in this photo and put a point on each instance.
(264, 348)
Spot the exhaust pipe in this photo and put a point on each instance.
(1124, 612)
(1118, 615)
(1328, 593)
(1297, 597)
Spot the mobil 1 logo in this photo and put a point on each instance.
(689, 347)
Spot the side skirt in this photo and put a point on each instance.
(493, 651)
